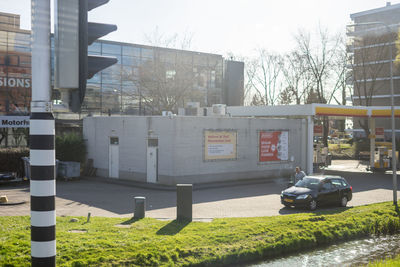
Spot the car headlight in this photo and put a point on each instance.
(282, 194)
(302, 196)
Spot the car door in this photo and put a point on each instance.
(326, 193)
(340, 189)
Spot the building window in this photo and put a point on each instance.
(131, 61)
(95, 48)
(113, 49)
(131, 51)
(170, 74)
(147, 53)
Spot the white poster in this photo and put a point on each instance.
(283, 145)
(219, 144)
(220, 149)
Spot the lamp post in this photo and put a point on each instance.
(394, 161)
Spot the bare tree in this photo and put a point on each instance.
(156, 38)
(3, 134)
(267, 81)
(164, 86)
(340, 74)
(296, 77)
(286, 96)
(166, 80)
(319, 60)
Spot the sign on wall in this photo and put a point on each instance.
(318, 130)
(379, 132)
(14, 121)
(273, 146)
(219, 144)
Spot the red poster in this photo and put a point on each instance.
(268, 146)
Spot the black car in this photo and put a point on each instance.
(313, 191)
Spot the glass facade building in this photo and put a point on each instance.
(123, 87)
(146, 79)
(15, 66)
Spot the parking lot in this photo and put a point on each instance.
(246, 199)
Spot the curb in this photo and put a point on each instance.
(196, 187)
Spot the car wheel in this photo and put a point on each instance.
(343, 201)
(313, 204)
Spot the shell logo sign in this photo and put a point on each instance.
(336, 111)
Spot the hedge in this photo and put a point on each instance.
(70, 147)
(10, 159)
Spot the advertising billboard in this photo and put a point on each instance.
(273, 146)
(220, 144)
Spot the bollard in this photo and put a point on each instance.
(3, 199)
(140, 207)
(184, 202)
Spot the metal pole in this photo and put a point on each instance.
(372, 143)
(42, 153)
(394, 161)
(310, 144)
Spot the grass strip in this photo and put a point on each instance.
(150, 242)
(395, 262)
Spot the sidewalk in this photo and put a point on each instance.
(245, 198)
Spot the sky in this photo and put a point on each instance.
(218, 26)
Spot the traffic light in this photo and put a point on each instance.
(73, 35)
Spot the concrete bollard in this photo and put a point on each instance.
(140, 207)
(184, 202)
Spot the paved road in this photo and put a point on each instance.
(261, 198)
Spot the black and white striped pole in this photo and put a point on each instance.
(42, 150)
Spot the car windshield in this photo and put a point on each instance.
(307, 182)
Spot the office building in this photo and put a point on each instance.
(137, 85)
(373, 34)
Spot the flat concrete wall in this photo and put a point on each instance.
(181, 147)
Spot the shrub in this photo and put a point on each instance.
(70, 147)
(10, 159)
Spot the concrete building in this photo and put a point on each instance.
(234, 80)
(186, 149)
(369, 49)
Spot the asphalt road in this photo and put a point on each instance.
(260, 198)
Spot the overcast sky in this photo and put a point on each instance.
(218, 26)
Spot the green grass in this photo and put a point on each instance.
(150, 242)
(395, 262)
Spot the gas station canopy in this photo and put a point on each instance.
(312, 110)
(309, 111)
